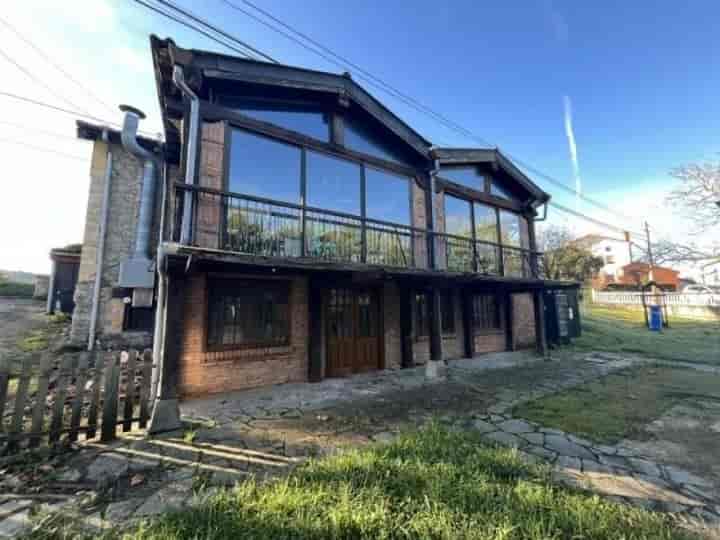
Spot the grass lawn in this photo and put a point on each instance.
(617, 406)
(428, 484)
(618, 329)
(16, 290)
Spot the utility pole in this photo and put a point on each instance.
(649, 250)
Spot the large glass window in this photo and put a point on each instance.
(307, 120)
(264, 167)
(457, 216)
(466, 175)
(362, 138)
(498, 190)
(510, 228)
(486, 223)
(248, 313)
(387, 196)
(333, 183)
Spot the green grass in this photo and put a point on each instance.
(429, 484)
(37, 340)
(619, 405)
(618, 329)
(16, 290)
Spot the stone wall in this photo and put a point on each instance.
(123, 209)
(523, 320)
(202, 372)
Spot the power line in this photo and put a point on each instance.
(192, 27)
(53, 63)
(36, 79)
(220, 31)
(41, 131)
(43, 149)
(68, 111)
(591, 219)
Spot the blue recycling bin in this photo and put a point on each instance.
(656, 318)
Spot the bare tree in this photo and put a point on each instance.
(564, 258)
(698, 194)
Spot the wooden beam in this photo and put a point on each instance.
(406, 340)
(471, 194)
(315, 373)
(539, 311)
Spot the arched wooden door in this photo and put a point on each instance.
(353, 331)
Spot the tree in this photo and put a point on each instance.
(565, 259)
(698, 194)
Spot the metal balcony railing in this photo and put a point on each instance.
(269, 228)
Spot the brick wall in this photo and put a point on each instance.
(490, 342)
(419, 220)
(212, 152)
(203, 372)
(523, 320)
(123, 209)
(391, 323)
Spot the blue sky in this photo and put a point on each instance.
(640, 79)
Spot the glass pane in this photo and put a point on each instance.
(306, 120)
(362, 138)
(264, 167)
(333, 183)
(509, 228)
(486, 223)
(457, 217)
(467, 176)
(499, 191)
(387, 196)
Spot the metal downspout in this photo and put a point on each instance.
(101, 245)
(161, 304)
(190, 152)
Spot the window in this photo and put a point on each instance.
(499, 191)
(264, 167)
(333, 183)
(387, 196)
(248, 314)
(447, 307)
(486, 223)
(510, 228)
(486, 312)
(467, 176)
(457, 217)
(304, 119)
(362, 138)
(421, 318)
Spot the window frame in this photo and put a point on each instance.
(499, 326)
(283, 285)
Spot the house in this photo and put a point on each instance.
(63, 278)
(292, 228)
(614, 252)
(632, 275)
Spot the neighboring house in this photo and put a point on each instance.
(633, 274)
(63, 278)
(292, 228)
(710, 273)
(614, 252)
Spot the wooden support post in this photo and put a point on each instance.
(46, 364)
(539, 310)
(315, 365)
(468, 327)
(509, 316)
(110, 400)
(76, 411)
(406, 341)
(435, 325)
(99, 366)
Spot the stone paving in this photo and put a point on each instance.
(265, 433)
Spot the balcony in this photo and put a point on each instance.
(263, 227)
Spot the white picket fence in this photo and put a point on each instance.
(669, 298)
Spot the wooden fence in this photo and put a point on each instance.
(51, 400)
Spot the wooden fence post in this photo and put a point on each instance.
(46, 365)
(16, 426)
(80, 379)
(146, 369)
(129, 390)
(110, 400)
(63, 380)
(95, 400)
(4, 379)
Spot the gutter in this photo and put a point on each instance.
(101, 245)
(190, 151)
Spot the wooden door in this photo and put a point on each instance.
(352, 332)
